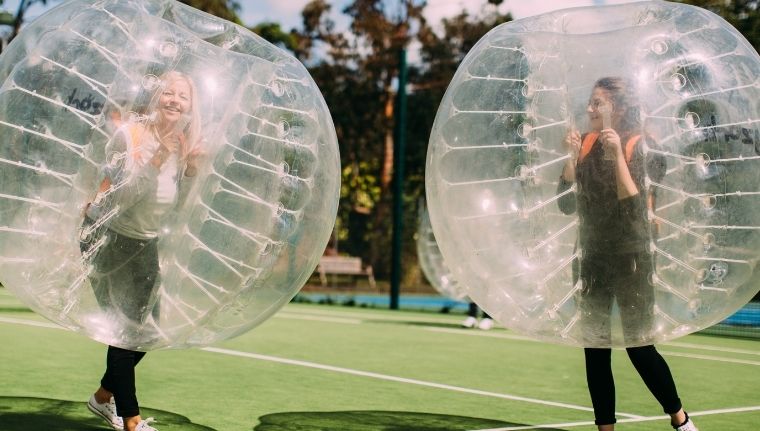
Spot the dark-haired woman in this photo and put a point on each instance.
(610, 166)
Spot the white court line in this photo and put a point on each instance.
(484, 334)
(713, 348)
(710, 358)
(400, 379)
(453, 331)
(291, 315)
(400, 317)
(353, 372)
(663, 352)
(631, 420)
(287, 315)
(694, 346)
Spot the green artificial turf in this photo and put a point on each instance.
(333, 368)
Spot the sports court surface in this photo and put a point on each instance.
(335, 368)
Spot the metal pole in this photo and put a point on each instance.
(399, 154)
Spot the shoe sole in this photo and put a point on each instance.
(99, 414)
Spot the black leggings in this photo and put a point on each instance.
(652, 368)
(623, 279)
(119, 379)
(124, 276)
(472, 311)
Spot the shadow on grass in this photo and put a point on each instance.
(37, 414)
(376, 421)
(15, 310)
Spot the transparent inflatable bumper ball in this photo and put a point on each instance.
(497, 151)
(246, 211)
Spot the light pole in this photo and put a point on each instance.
(399, 156)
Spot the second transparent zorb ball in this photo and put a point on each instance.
(167, 178)
(634, 247)
(433, 264)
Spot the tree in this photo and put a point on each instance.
(441, 55)
(225, 9)
(273, 32)
(742, 14)
(357, 78)
(23, 6)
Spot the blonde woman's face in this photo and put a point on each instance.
(175, 100)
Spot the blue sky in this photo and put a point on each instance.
(288, 12)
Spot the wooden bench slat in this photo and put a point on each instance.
(343, 265)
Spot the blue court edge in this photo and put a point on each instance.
(749, 315)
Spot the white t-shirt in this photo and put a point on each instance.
(143, 193)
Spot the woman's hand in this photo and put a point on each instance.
(573, 146)
(611, 142)
(194, 157)
(573, 143)
(167, 146)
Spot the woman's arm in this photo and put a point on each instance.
(626, 187)
(567, 202)
(131, 176)
(573, 147)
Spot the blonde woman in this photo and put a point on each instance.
(149, 166)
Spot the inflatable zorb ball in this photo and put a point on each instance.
(496, 154)
(252, 223)
(432, 262)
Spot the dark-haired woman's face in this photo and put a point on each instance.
(599, 99)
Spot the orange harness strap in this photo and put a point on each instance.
(630, 145)
(135, 132)
(590, 139)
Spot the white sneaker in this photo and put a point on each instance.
(486, 324)
(143, 425)
(687, 426)
(106, 411)
(469, 322)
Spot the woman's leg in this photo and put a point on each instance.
(655, 373)
(472, 316)
(472, 310)
(119, 379)
(636, 300)
(595, 300)
(141, 273)
(125, 276)
(601, 384)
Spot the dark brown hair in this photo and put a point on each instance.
(625, 99)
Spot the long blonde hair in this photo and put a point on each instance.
(192, 130)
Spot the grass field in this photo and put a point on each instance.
(332, 368)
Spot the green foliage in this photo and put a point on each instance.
(272, 32)
(225, 9)
(742, 14)
(357, 76)
(18, 19)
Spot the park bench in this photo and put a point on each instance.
(344, 265)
